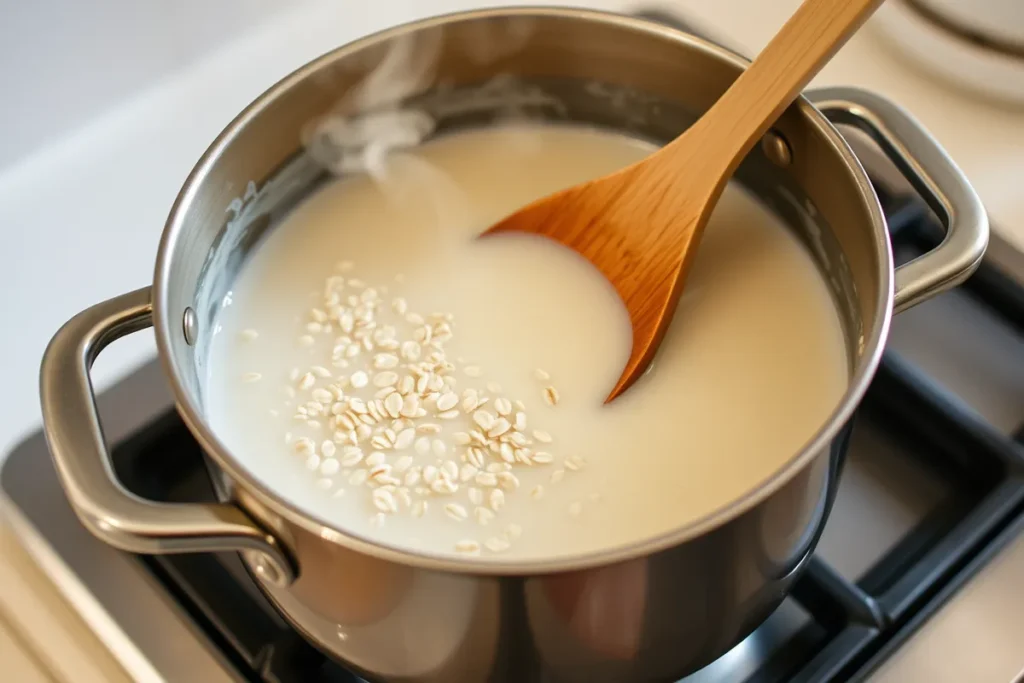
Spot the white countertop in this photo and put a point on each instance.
(82, 215)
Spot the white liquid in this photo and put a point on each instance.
(751, 367)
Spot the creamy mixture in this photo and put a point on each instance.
(410, 384)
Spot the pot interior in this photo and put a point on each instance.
(470, 70)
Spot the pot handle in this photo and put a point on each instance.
(933, 175)
(75, 437)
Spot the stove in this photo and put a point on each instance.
(926, 538)
(917, 577)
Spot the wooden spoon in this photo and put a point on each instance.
(641, 226)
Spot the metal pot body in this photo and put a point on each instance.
(653, 611)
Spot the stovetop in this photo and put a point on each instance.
(923, 554)
(917, 577)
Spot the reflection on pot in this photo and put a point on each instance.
(603, 608)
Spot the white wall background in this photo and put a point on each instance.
(63, 62)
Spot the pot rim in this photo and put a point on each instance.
(166, 325)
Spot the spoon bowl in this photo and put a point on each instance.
(640, 227)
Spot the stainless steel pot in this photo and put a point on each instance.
(652, 611)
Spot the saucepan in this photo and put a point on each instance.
(650, 611)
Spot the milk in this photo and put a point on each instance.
(752, 366)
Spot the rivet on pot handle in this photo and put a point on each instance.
(75, 437)
(933, 175)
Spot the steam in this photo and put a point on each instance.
(360, 141)
(363, 143)
(374, 120)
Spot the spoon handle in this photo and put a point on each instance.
(788, 63)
